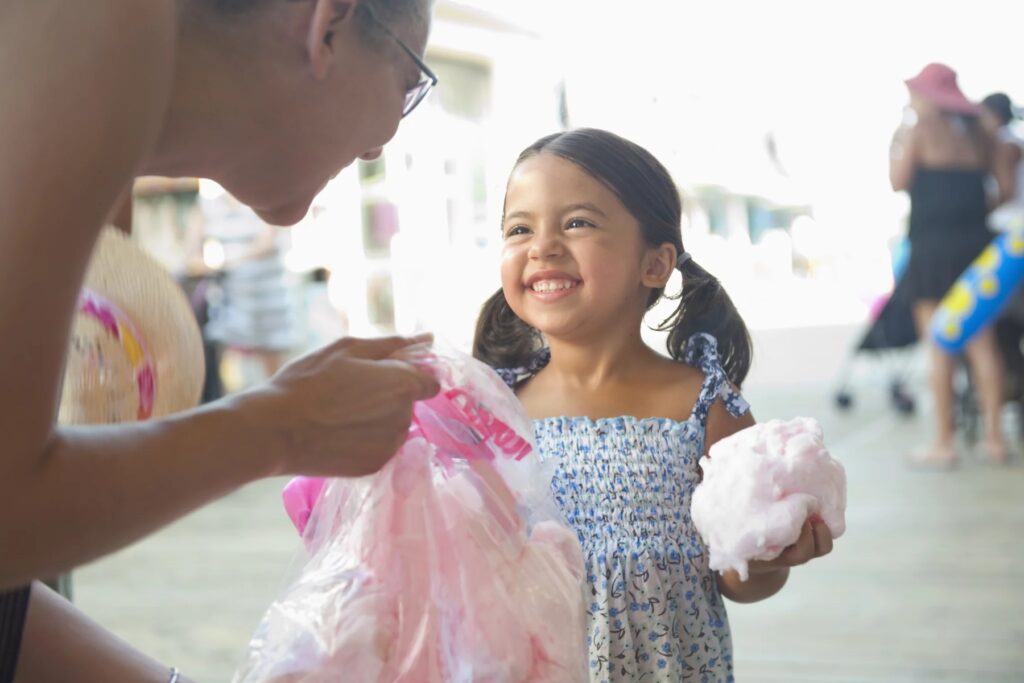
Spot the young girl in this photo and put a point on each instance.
(591, 232)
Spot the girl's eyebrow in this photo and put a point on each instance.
(582, 206)
(585, 206)
(518, 214)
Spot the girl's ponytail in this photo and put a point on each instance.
(502, 339)
(704, 306)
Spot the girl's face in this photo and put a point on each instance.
(574, 260)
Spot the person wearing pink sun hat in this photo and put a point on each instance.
(937, 83)
(943, 157)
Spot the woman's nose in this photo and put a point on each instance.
(371, 154)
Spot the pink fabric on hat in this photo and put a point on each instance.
(938, 84)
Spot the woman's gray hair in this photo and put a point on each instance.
(389, 12)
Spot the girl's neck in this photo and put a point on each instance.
(589, 364)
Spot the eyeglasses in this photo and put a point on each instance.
(428, 79)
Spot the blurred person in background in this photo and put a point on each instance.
(997, 116)
(253, 310)
(942, 156)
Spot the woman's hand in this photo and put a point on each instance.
(341, 411)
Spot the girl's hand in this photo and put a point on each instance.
(341, 411)
(815, 541)
(768, 577)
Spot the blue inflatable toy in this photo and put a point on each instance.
(978, 297)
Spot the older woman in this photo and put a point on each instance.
(271, 98)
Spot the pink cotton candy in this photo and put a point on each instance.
(452, 564)
(760, 485)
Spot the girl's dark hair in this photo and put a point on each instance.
(646, 189)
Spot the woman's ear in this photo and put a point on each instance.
(327, 17)
(659, 263)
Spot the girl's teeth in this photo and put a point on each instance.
(552, 285)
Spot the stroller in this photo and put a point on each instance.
(890, 335)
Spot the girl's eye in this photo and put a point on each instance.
(579, 223)
(516, 230)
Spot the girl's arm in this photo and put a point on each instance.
(760, 584)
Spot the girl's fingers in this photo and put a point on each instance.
(822, 539)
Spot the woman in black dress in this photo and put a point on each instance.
(943, 158)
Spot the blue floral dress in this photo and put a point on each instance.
(624, 483)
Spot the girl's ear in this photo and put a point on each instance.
(659, 262)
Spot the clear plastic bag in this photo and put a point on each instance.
(452, 564)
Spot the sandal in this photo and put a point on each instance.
(993, 454)
(934, 460)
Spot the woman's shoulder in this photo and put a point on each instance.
(93, 81)
(110, 33)
(103, 47)
(131, 50)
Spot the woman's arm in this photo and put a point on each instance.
(903, 157)
(62, 644)
(75, 121)
(1006, 159)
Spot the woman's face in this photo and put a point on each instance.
(319, 124)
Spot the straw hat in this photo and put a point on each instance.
(135, 349)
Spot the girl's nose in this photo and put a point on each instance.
(547, 244)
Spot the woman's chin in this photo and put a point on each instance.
(286, 214)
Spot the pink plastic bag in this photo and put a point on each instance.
(452, 564)
(300, 496)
